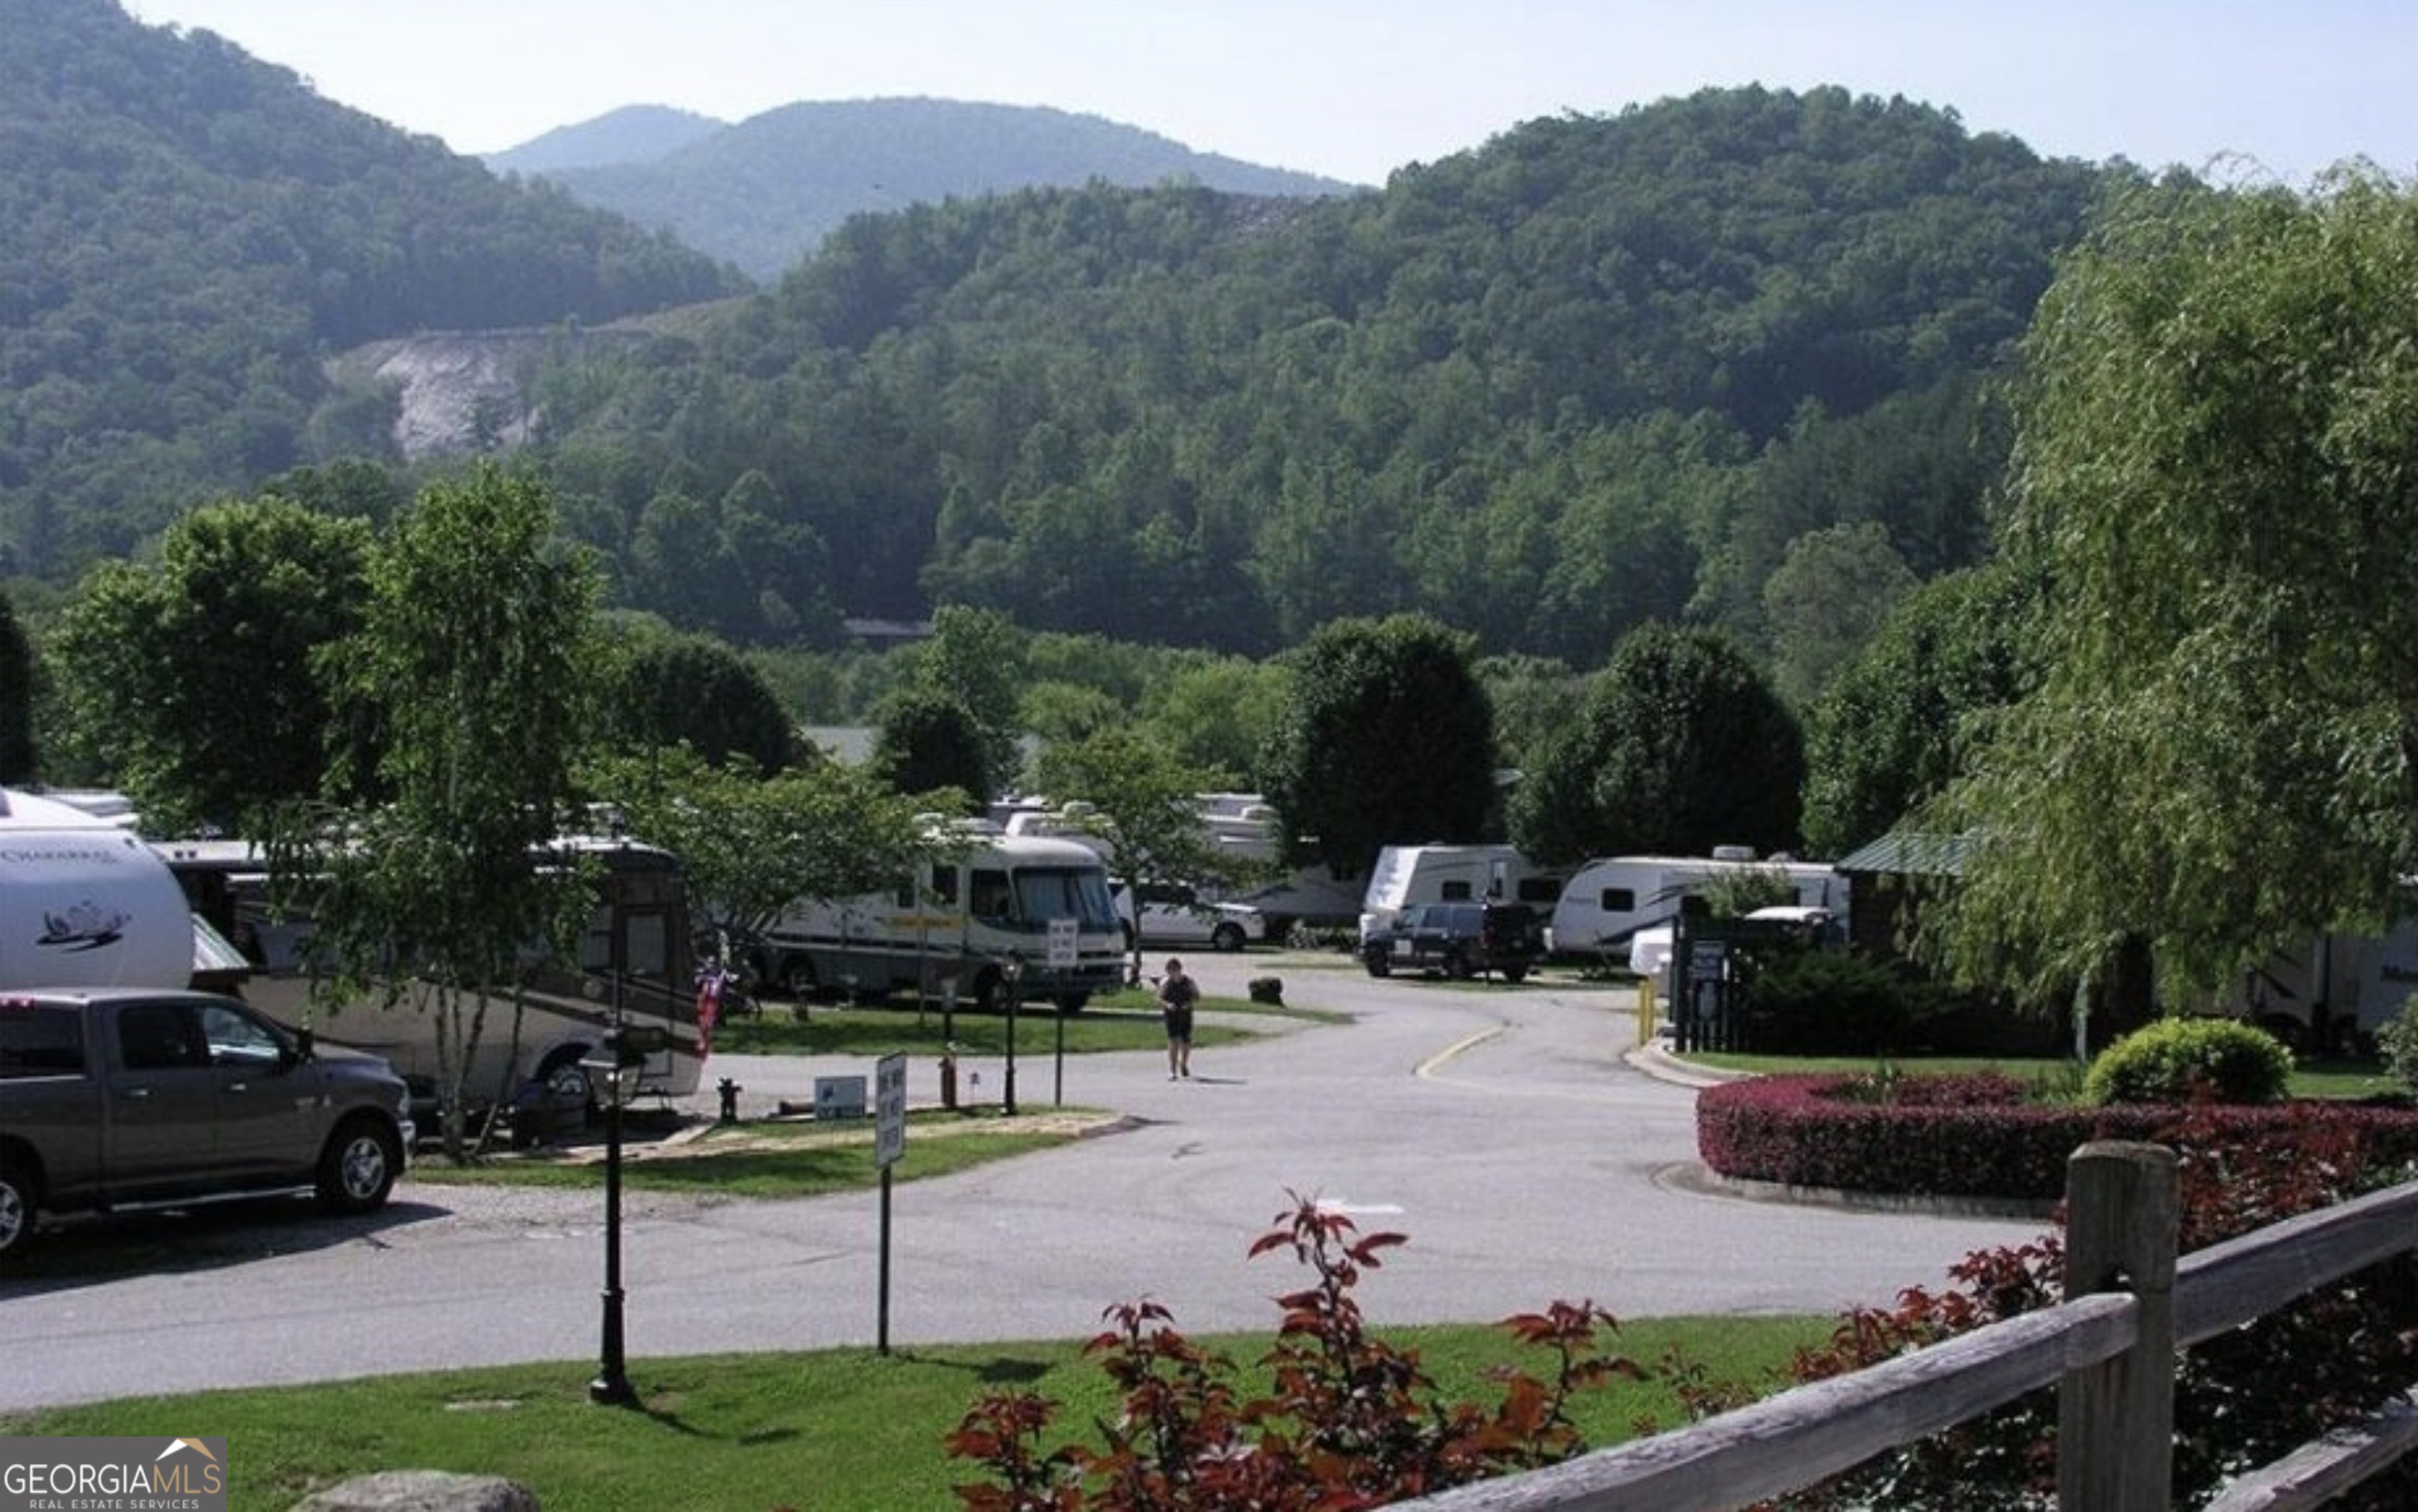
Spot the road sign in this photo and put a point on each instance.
(1061, 944)
(888, 1110)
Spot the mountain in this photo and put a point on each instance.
(633, 134)
(187, 232)
(763, 193)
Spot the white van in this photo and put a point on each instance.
(1607, 902)
(1408, 875)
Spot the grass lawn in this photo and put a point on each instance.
(1116, 1021)
(839, 1431)
(2310, 1078)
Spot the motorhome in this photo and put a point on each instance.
(951, 929)
(1407, 875)
(633, 966)
(2327, 992)
(1607, 902)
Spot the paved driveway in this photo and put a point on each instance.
(1497, 1127)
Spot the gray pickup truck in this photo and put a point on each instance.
(112, 1098)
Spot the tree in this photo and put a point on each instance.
(1681, 746)
(926, 743)
(1388, 740)
(1888, 733)
(975, 660)
(1144, 811)
(474, 663)
(751, 844)
(2213, 451)
(16, 698)
(1832, 587)
(194, 681)
(666, 689)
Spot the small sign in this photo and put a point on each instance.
(888, 1110)
(1061, 944)
(839, 1097)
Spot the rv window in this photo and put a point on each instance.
(1456, 892)
(596, 941)
(905, 896)
(945, 885)
(988, 897)
(1065, 892)
(39, 1041)
(647, 940)
(1619, 900)
(1540, 890)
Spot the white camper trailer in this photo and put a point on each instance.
(1607, 902)
(1408, 875)
(951, 929)
(85, 902)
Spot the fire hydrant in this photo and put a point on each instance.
(730, 1091)
(949, 1079)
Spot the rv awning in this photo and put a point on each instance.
(214, 955)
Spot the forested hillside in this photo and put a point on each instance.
(188, 232)
(1597, 372)
(764, 192)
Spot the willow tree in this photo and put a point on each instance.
(2216, 470)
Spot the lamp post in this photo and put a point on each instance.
(626, 1048)
(1011, 978)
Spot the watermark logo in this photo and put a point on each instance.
(121, 1474)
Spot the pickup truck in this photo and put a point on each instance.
(112, 1098)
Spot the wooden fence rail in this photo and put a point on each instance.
(2110, 1350)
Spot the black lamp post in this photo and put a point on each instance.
(1011, 979)
(626, 1048)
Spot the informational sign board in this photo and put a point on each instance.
(839, 1097)
(888, 1110)
(1061, 944)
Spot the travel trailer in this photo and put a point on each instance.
(2331, 991)
(1607, 902)
(83, 903)
(634, 968)
(951, 929)
(1407, 875)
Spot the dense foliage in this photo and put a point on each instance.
(16, 698)
(2191, 1060)
(188, 232)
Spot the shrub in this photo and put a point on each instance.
(2398, 1040)
(1827, 1003)
(2192, 1061)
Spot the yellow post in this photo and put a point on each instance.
(1645, 1010)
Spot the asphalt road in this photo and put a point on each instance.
(1497, 1127)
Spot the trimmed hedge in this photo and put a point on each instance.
(1973, 1138)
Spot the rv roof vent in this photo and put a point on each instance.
(1733, 852)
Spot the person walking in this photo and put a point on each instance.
(1177, 993)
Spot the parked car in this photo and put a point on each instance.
(1172, 913)
(121, 1097)
(1458, 940)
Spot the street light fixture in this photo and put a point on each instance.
(1011, 979)
(625, 1049)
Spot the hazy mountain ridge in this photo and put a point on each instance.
(763, 193)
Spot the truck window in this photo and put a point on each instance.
(38, 1040)
(238, 1039)
(159, 1036)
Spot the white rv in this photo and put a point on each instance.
(633, 966)
(951, 929)
(2328, 992)
(1606, 902)
(1408, 875)
(83, 903)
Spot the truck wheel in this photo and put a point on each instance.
(357, 1168)
(1226, 936)
(1515, 973)
(1378, 962)
(15, 1207)
(1456, 965)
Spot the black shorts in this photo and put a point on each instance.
(1179, 1023)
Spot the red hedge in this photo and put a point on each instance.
(1961, 1141)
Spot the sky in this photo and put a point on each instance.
(1354, 90)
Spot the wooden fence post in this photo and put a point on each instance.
(2115, 1420)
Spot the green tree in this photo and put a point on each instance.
(1389, 739)
(1219, 715)
(1821, 604)
(975, 660)
(928, 744)
(1144, 811)
(1682, 745)
(2213, 451)
(750, 843)
(1890, 731)
(475, 664)
(192, 682)
(665, 689)
(16, 698)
